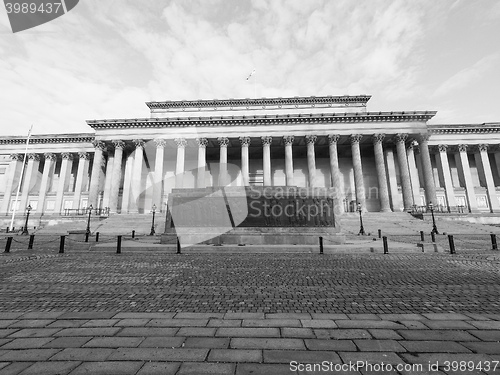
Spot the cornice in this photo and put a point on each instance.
(484, 128)
(49, 138)
(247, 102)
(323, 118)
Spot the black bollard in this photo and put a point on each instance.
(178, 246)
(452, 244)
(96, 236)
(30, 243)
(61, 244)
(380, 233)
(321, 245)
(433, 237)
(119, 245)
(493, 241)
(8, 244)
(86, 236)
(7, 231)
(133, 234)
(386, 247)
(422, 238)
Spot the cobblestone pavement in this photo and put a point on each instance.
(155, 313)
(340, 283)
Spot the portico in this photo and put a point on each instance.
(386, 161)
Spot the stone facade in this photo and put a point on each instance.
(386, 161)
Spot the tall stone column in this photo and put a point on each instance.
(266, 159)
(81, 177)
(289, 159)
(335, 170)
(137, 183)
(179, 166)
(393, 183)
(158, 176)
(66, 164)
(488, 176)
(358, 171)
(30, 172)
(116, 175)
(96, 172)
(311, 159)
(403, 171)
(127, 183)
(429, 186)
(383, 192)
(448, 183)
(202, 162)
(245, 161)
(48, 172)
(465, 174)
(14, 169)
(412, 166)
(497, 158)
(108, 176)
(223, 177)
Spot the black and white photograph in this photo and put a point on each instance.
(249, 187)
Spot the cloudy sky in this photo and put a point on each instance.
(105, 59)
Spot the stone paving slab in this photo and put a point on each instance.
(236, 350)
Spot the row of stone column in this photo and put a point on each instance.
(132, 182)
(30, 172)
(462, 161)
(134, 164)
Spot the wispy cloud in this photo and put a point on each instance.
(106, 58)
(470, 74)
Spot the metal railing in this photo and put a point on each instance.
(85, 211)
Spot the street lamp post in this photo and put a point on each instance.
(434, 228)
(25, 229)
(87, 232)
(153, 210)
(361, 228)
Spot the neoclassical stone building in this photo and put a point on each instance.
(387, 161)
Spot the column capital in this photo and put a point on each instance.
(288, 139)
(333, 138)
(423, 137)
(401, 137)
(442, 148)
(462, 148)
(311, 139)
(67, 156)
(118, 144)
(378, 138)
(180, 142)
(160, 142)
(138, 143)
(17, 157)
(202, 142)
(355, 138)
(99, 145)
(50, 156)
(34, 157)
(84, 155)
(482, 147)
(223, 141)
(245, 141)
(266, 140)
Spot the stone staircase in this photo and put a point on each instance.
(401, 223)
(113, 225)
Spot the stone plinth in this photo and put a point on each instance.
(252, 215)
